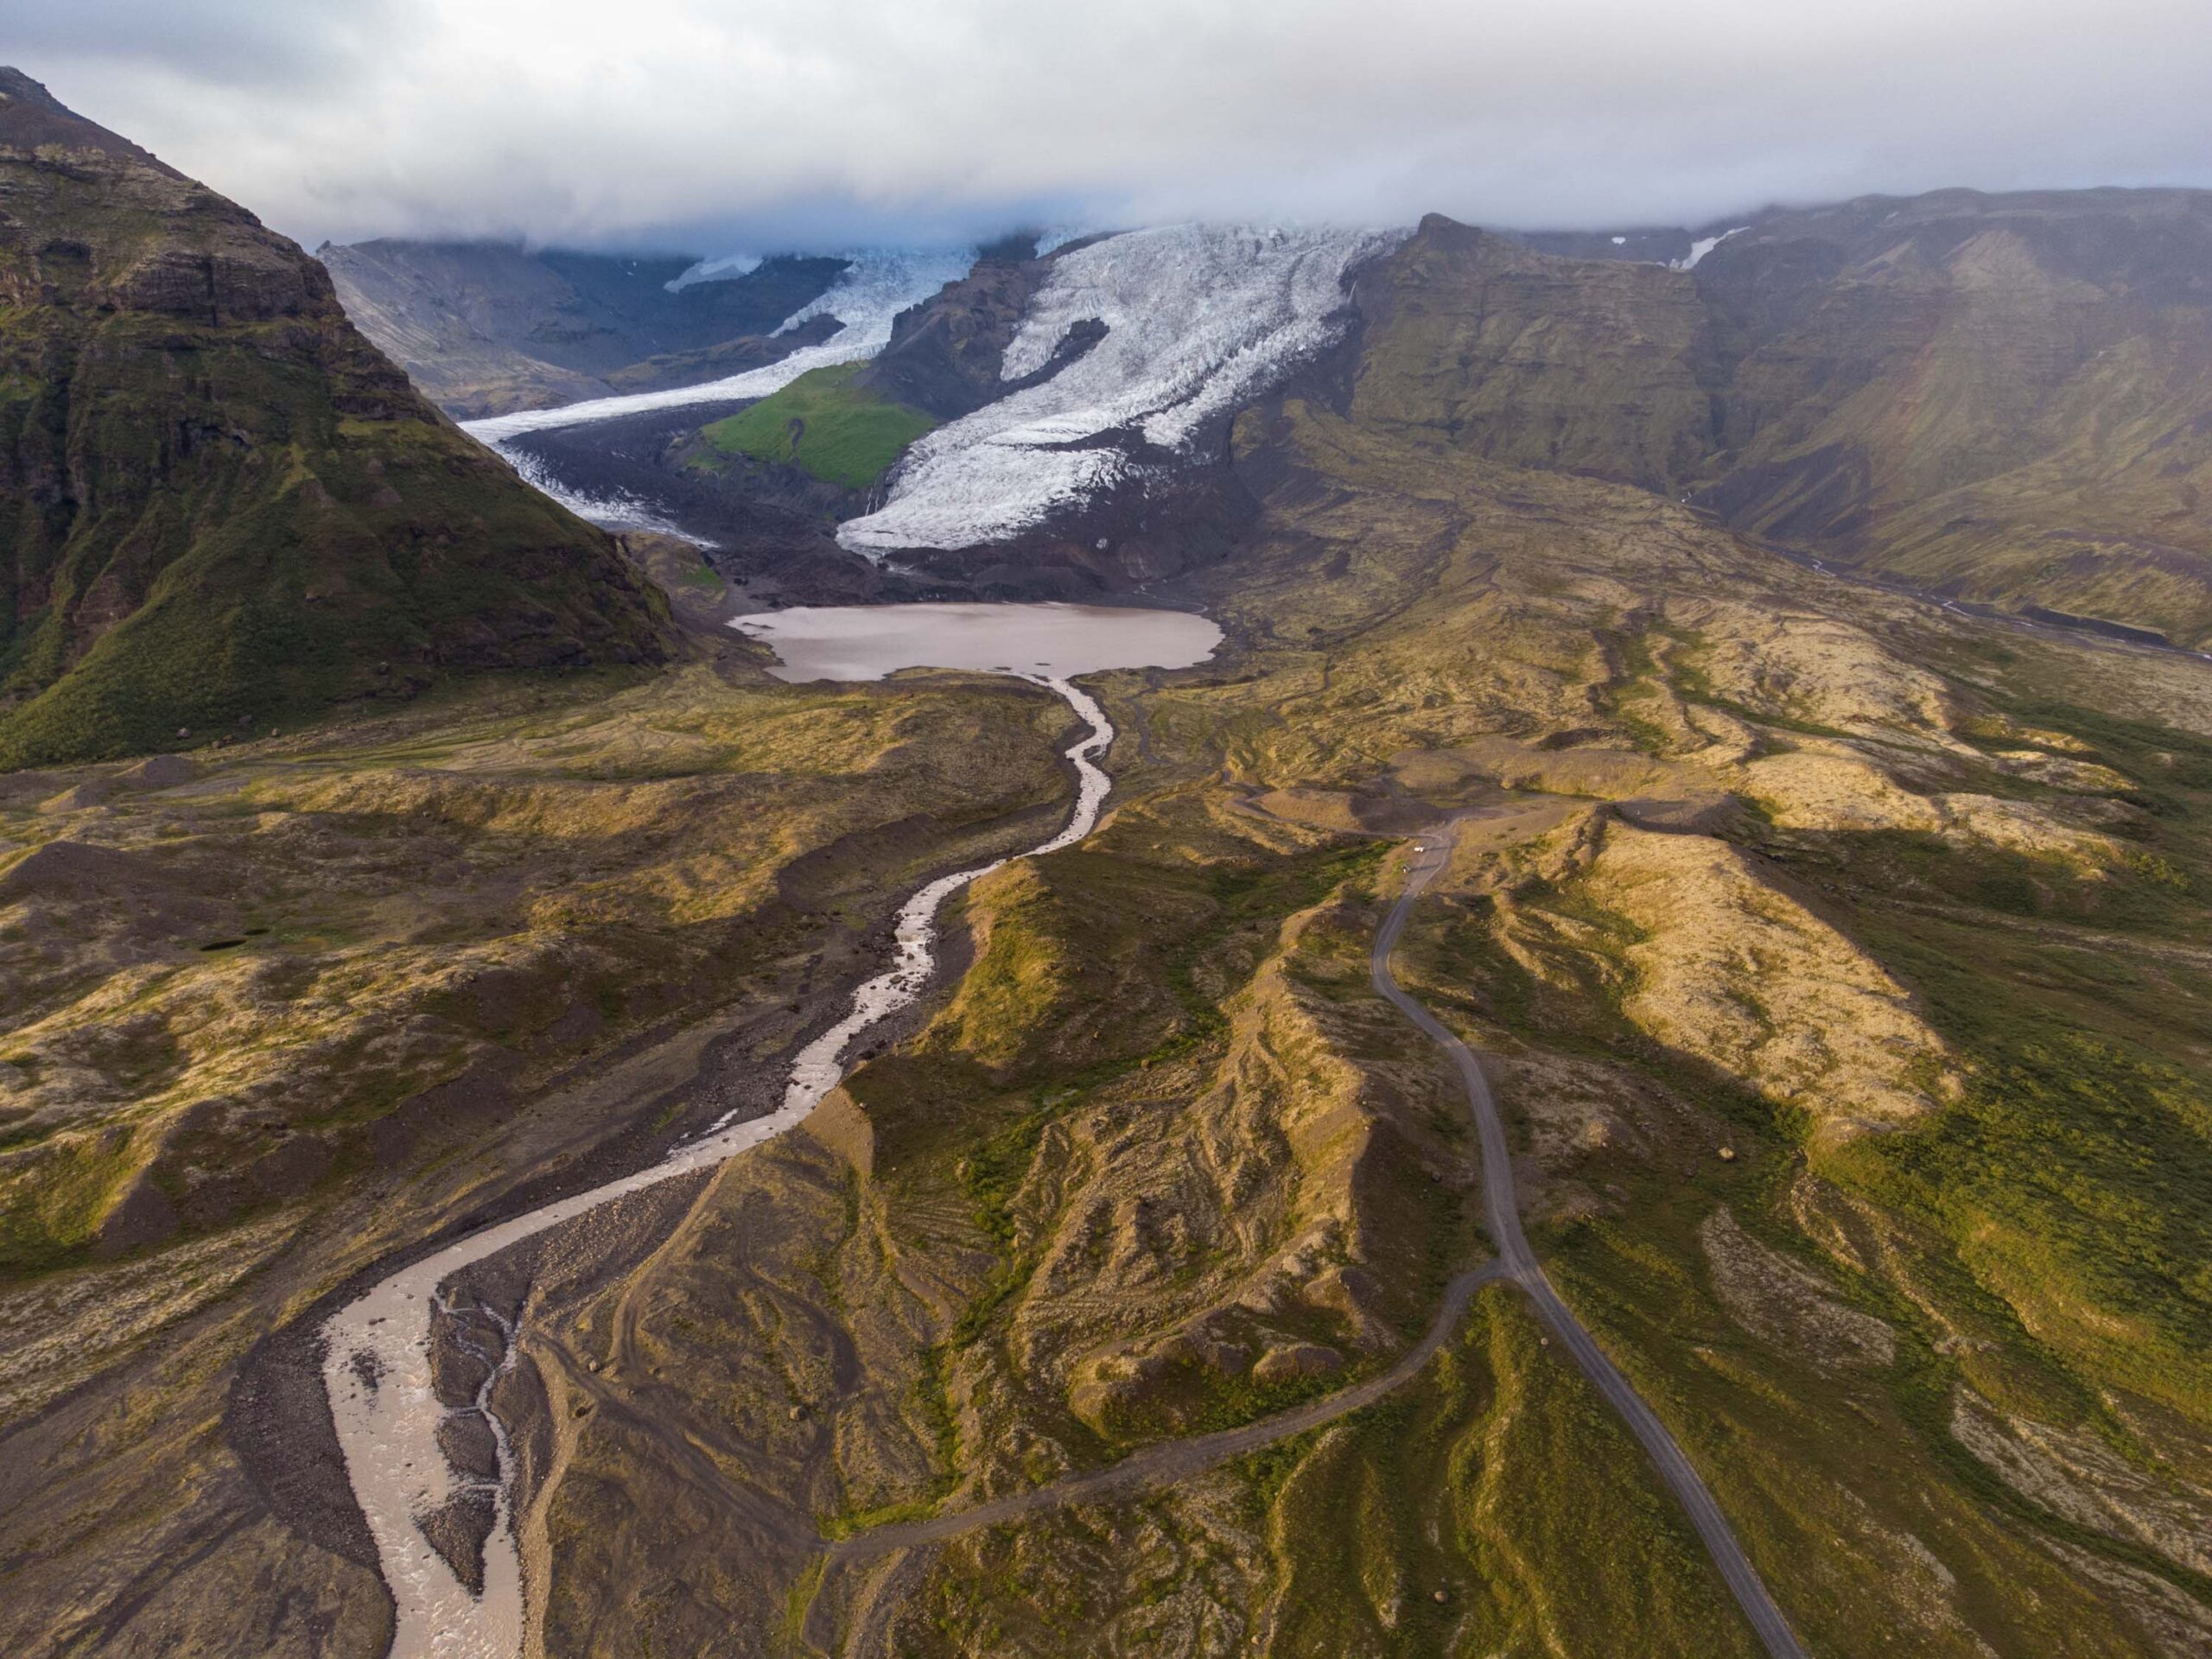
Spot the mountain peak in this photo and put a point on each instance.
(32, 118)
(225, 505)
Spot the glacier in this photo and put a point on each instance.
(1199, 318)
(876, 285)
(614, 509)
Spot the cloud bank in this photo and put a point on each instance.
(717, 124)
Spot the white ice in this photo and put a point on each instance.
(1706, 245)
(877, 285)
(716, 270)
(618, 511)
(1199, 319)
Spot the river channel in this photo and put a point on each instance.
(377, 1366)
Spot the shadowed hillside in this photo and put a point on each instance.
(485, 327)
(219, 503)
(2002, 398)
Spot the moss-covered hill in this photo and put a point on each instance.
(826, 425)
(219, 503)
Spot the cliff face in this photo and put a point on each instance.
(218, 502)
(2006, 399)
(2009, 398)
(1534, 360)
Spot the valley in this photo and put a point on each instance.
(1508, 1024)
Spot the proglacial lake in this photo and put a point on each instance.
(1042, 641)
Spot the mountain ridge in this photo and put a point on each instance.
(2000, 398)
(222, 504)
(1920, 388)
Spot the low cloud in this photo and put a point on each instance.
(709, 126)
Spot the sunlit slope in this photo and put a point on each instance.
(1163, 1164)
(280, 1012)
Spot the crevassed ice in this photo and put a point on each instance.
(1199, 319)
(876, 287)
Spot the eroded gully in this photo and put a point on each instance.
(378, 1368)
(1516, 1262)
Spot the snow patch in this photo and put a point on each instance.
(723, 270)
(1706, 245)
(1199, 319)
(1620, 241)
(876, 285)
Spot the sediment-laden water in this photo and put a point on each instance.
(1041, 641)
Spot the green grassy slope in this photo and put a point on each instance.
(221, 504)
(825, 424)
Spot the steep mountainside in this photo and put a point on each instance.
(218, 502)
(488, 328)
(2004, 398)
(1540, 360)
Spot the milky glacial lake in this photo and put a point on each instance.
(1042, 641)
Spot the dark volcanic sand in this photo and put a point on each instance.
(278, 1420)
(622, 457)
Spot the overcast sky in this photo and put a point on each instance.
(719, 125)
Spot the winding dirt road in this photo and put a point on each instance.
(1173, 1460)
(1516, 1263)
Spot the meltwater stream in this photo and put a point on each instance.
(376, 1361)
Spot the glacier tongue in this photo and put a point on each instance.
(1199, 319)
(876, 287)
